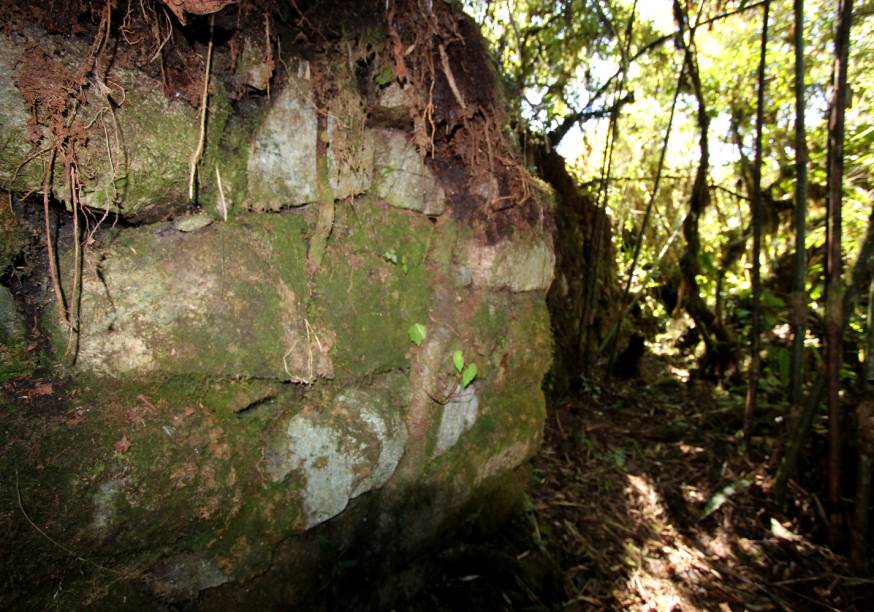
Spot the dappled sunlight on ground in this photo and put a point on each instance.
(634, 495)
(641, 500)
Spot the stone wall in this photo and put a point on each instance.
(231, 406)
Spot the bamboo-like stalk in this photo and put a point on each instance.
(834, 266)
(601, 223)
(756, 206)
(799, 296)
(863, 271)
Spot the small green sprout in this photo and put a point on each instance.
(417, 332)
(467, 373)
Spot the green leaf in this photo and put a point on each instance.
(722, 496)
(385, 76)
(783, 363)
(417, 332)
(527, 504)
(458, 360)
(468, 375)
(619, 457)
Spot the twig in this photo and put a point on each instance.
(198, 152)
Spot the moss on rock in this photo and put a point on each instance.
(375, 284)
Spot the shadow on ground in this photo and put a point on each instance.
(615, 517)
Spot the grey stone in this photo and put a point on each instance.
(351, 449)
(209, 303)
(192, 223)
(184, 575)
(396, 97)
(282, 163)
(393, 106)
(12, 328)
(401, 178)
(104, 506)
(458, 415)
(252, 71)
(14, 144)
(517, 265)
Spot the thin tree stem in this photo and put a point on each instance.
(799, 297)
(614, 334)
(756, 205)
(604, 197)
(834, 315)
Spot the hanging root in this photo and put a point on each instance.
(397, 46)
(198, 152)
(450, 78)
(223, 203)
(73, 324)
(50, 249)
(312, 339)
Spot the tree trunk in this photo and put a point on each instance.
(834, 287)
(756, 206)
(865, 420)
(799, 296)
(863, 271)
(601, 221)
(716, 338)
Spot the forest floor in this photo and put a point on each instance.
(615, 517)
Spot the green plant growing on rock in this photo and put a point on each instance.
(417, 332)
(468, 373)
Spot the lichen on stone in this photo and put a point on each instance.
(341, 453)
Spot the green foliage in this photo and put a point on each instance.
(384, 75)
(563, 57)
(417, 333)
(545, 48)
(618, 457)
(468, 375)
(723, 495)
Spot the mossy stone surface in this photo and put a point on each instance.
(244, 398)
(374, 284)
(135, 161)
(227, 300)
(15, 148)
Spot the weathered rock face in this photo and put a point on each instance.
(137, 155)
(234, 408)
(281, 170)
